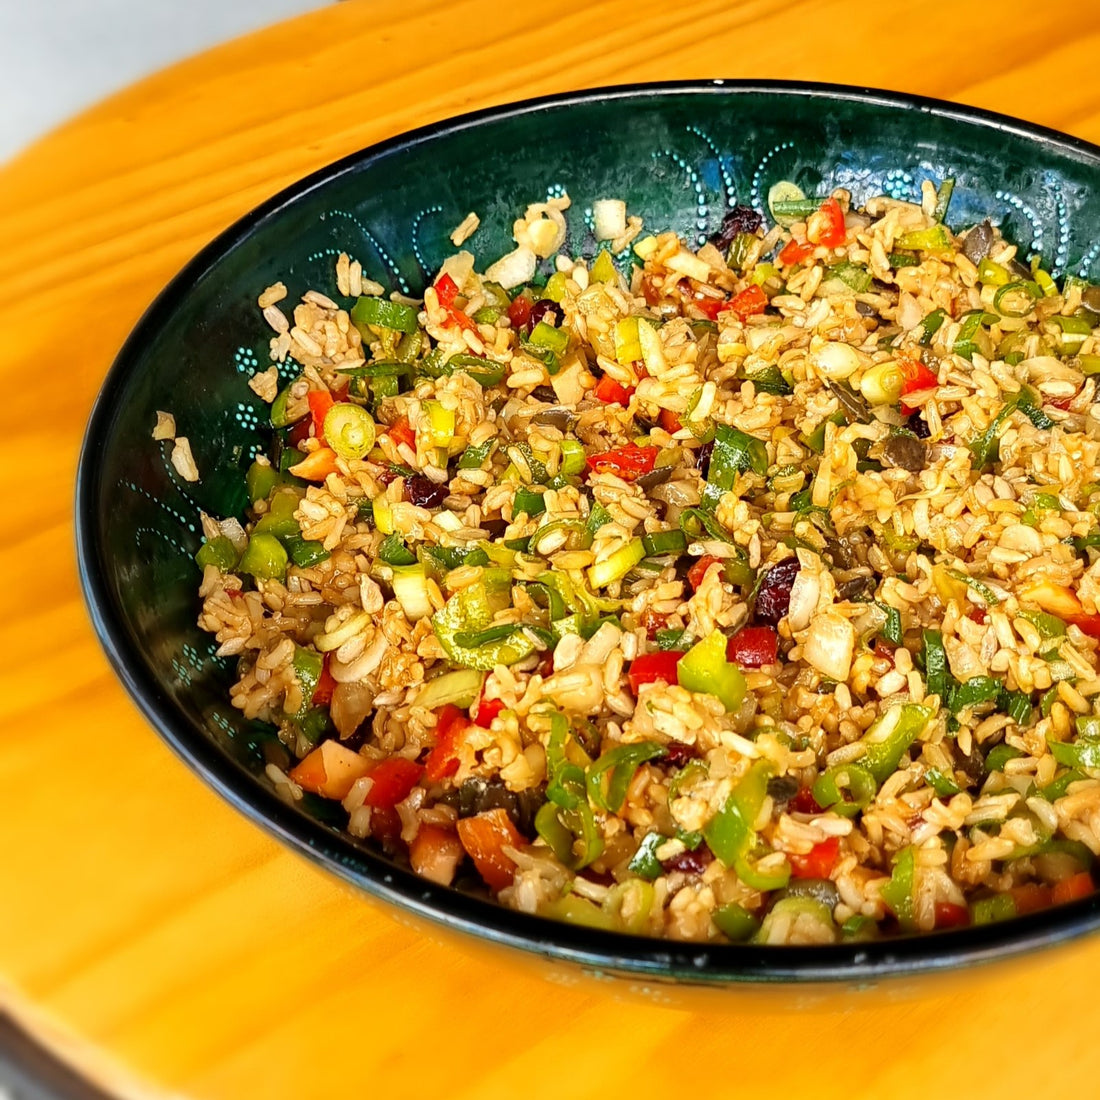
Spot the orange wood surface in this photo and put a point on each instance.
(152, 936)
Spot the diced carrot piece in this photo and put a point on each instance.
(330, 770)
(485, 836)
(1031, 897)
(320, 401)
(1072, 888)
(435, 853)
(317, 465)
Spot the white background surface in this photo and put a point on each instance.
(60, 56)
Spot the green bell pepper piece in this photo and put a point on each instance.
(904, 723)
(217, 551)
(898, 892)
(704, 668)
(264, 558)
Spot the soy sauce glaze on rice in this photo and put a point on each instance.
(746, 592)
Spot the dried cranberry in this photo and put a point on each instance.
(702, 458)
(425, 493)
(541, 308)
(918, 426)
(773, 599)
(690, 861)
(678, 754)
(741, 219)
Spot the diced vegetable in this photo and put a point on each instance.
(435, 854)
(380, 313)
(652, 668)
(391, 782)
(485, 836)
(330, 770)
(704, 668)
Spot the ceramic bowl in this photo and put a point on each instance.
(680, 154)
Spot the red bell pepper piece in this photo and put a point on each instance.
(818, 862)
(1072, 888)
(401, 431)
(794, 252)
(611, 392)
(627, 462)
(650, 668)
(485, 836)
(915, 376)
(711, 307)
(320, 401)
(750, 301)
(446, 290)
(670, 421)
(487, 710)
(326, 685)
(392, 781)
(826, 225)
(442, 761)
(519, 312)
(950, 915)
(699, 570)
(753, 647)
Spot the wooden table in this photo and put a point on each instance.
(147, 932)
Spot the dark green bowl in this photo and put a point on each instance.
(680, 155)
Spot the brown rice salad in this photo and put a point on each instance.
(746, 592)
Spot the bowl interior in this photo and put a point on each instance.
(680, 156)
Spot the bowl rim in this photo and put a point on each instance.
(595, 950)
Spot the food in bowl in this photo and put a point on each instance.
(739, 592)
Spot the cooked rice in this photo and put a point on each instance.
(938, 538)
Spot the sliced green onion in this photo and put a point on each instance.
(845, 789)
(697, 522)
(943, 199)
(1074, 332)
(734, 451)
(572, 458)
(305, 552)
(935, 238)
(473, 457)
(410, 587)
(1016, 299)
(578, 536)
(931, 325)
(381, 313)
(598, 517)
(972, 692)
(664, 542)
(787, 192)
(527, 500)
(891, 631)
(486, 372)
(882, 384)
(935, 664)
(969, 327)
(260, 480)
(617, 565)
(382, 368)
(944, 786)
(349, 430)
(460, 688)
(899, 259)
